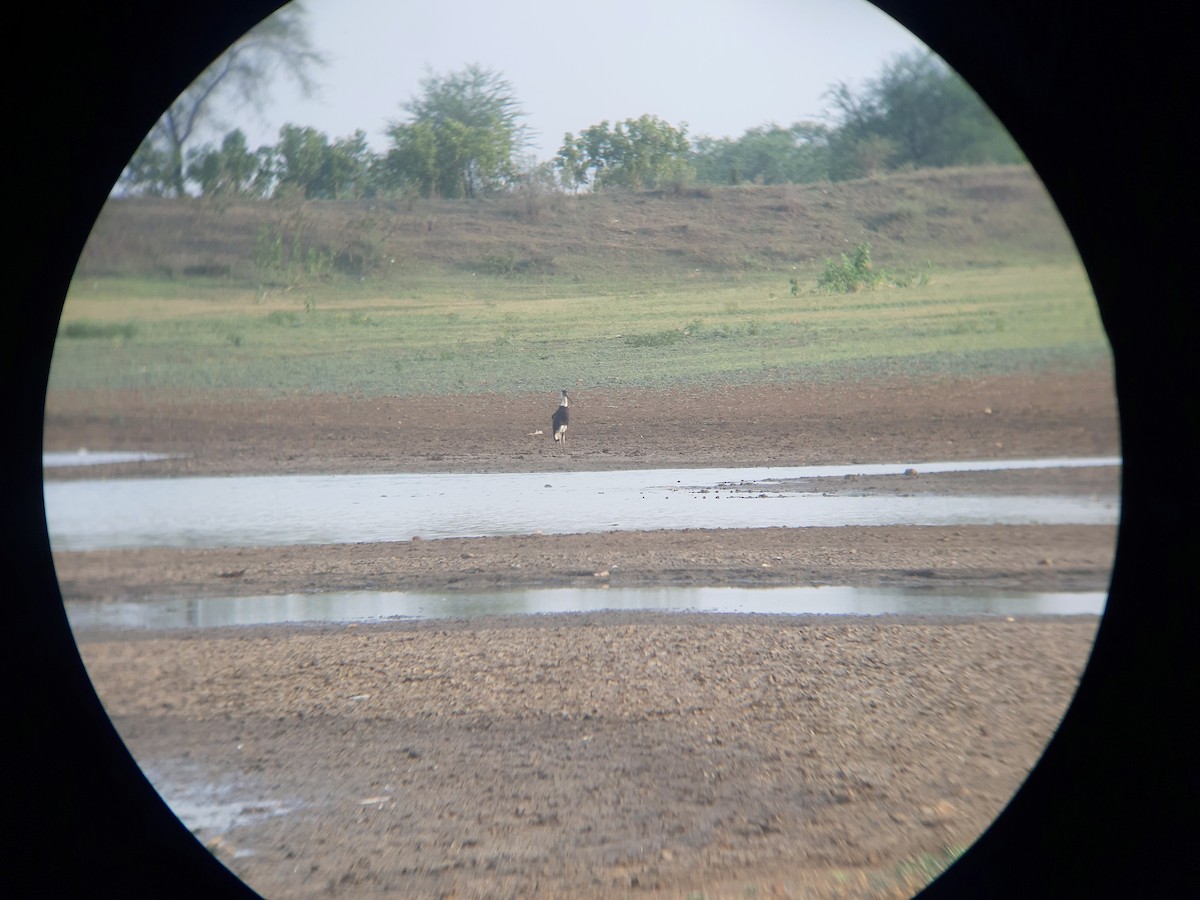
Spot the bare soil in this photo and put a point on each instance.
(615, 754)
(889, 420)
(609, 754)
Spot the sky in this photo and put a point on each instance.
(720, 66)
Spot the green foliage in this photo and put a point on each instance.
(152, 170)
(850, 274)
(461, 139)
(917, 113)
(638, 153)
(268, 250)
(290, 262)
(230, 170)
(767, 155)
(306, 161)
(278, 45)
(303, 160)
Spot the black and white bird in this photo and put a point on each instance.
(559, 422)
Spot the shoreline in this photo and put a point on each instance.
(1016, 557)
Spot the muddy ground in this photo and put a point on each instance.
(608, 754)
(596, 755)
(893, 420)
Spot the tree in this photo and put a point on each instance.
(766, 155)
(350, 162)
(150, 169)
(918, 112)
(306, 160)
(638, 153)
(231, 169)
(462, 137)
(303, 160)
(279, 43)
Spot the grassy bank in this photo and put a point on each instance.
(354, 342)
(458, 312)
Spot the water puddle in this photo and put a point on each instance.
(365, 606)
(57, 459)
(209, 808)
(310, 509)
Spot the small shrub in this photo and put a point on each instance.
(850, 275)
(268, 249)
(319, 263)
(921, 279)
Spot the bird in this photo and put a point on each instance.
(558, 423)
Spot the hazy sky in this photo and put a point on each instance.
(722, 66)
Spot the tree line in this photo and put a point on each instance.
(463, 138)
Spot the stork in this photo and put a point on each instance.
(559, 422)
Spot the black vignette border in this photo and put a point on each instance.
(1098, 95)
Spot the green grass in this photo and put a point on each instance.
(899, 880)
(914, 874)
(622, 290)
(488, 334)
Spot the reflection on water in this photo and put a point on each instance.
(279, 510)
(362, 606)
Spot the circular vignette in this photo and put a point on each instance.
(1092, 96)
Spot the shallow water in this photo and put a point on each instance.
(57, 459)
(211, 807)
(310, 509)
(364, 606)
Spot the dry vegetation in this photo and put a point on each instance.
(950, 217)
